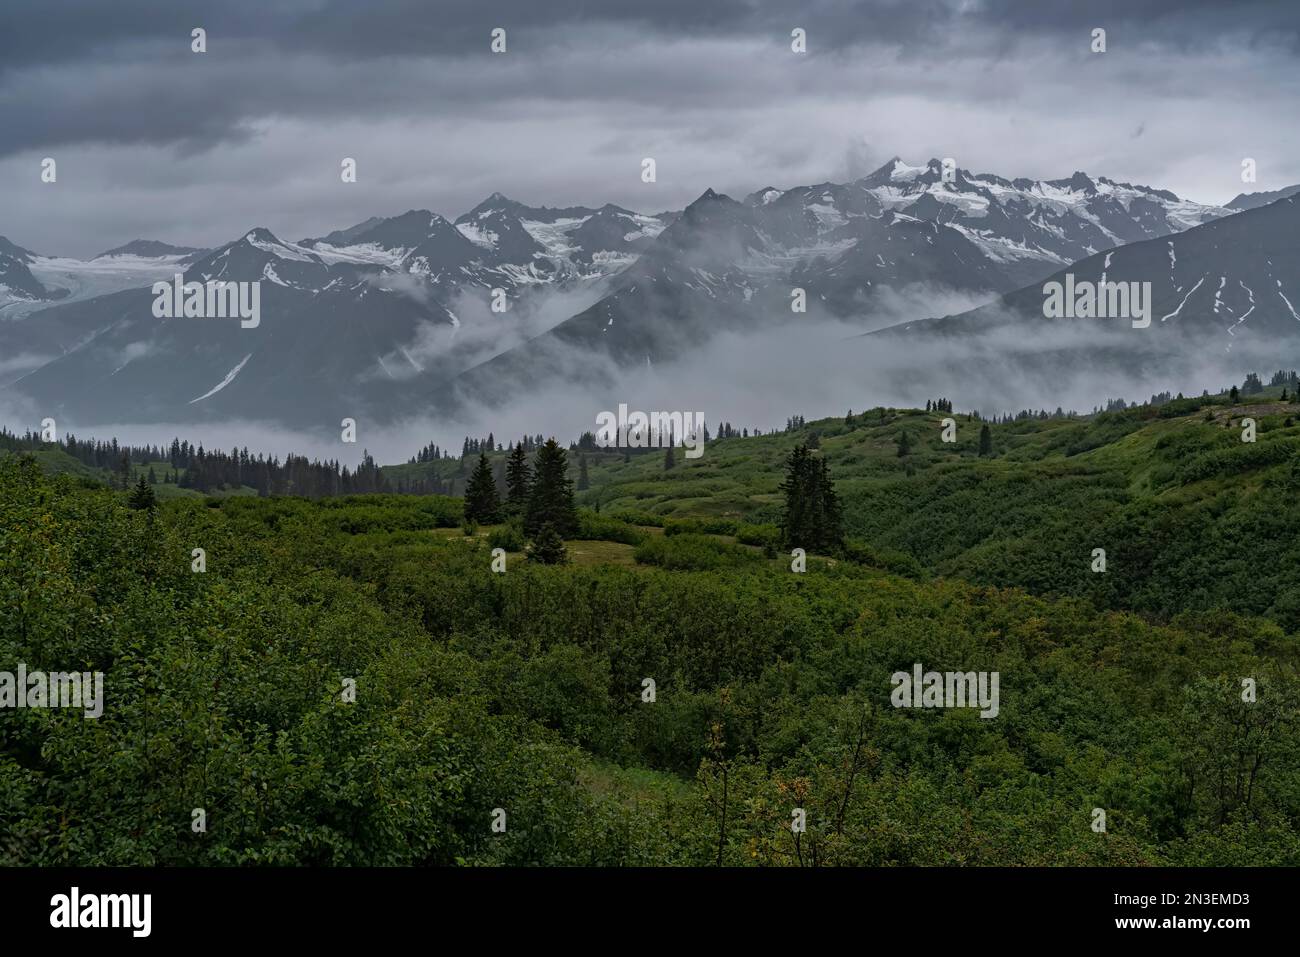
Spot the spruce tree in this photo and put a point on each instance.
(812, 518)
(986, 440)
(670, 460)
(142, 497)
(481, 502)
(796, 513)
(519, 480)
(550, 502)
(548, 547)
(830, 534)
(904, 444)
(584, 483)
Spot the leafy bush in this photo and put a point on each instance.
(699, 526)
(602, 528)
(635, 517)
(761, 535)
(692, 552)
(890, 559)
(509, 536)
(1243, 457)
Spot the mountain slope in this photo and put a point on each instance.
(151, 249)
(728, 265)
(17, 284)
(391, 316)
(1254, 200)
(1230, 283)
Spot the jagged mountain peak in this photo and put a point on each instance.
(764, 196)
(260, 234)
(1078, 181)
(896, 171)
(497, 203)
(654, 283)
(149, 249)
(8, 248)
(710, 197)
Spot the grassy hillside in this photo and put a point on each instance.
(524, 692)
(1191, 518)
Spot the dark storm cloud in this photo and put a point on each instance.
(88, 71)
(48, 31)
(154, 139)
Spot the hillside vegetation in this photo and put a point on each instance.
(1191, 518)
(522, 697)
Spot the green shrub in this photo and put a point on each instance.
(603, 528)
(634, 516)
(699, 526)
(509, 536)
(890, 559)
(760, 535)
(692, 552)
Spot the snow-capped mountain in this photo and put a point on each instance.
(1025, 225)
(17, 284)
(347, 320)
(1230, 285)
(368, 319)
(35, 281)
(500, 243)
(324, 323)
(850, 248)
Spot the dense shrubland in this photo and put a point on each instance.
(524, 690)
(1190, 517)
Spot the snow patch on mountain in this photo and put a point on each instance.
(230, 377)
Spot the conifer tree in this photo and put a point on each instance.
(670, 460)
(584, 483)
(550, 501)
(986, 440)
(548, 547)
(830, 533)
(519, 480)
(481, 502)
(142, 497)
(812, 518)
(796, 519)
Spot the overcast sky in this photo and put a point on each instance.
(154, 141)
